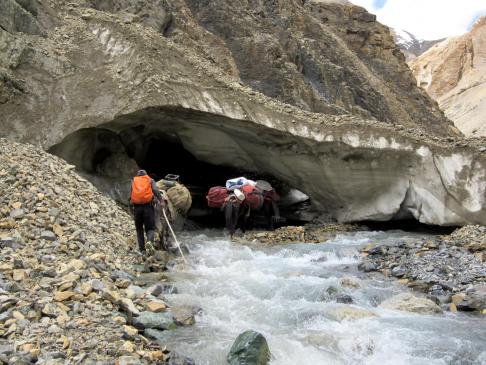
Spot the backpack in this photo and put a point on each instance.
(217, 196)
(142, 190)
(253, 197)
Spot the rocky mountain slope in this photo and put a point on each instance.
(314, 94)
(410, 45)
(67, 268)
(454, 73)
(84, 61)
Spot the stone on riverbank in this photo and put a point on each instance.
(249, 348)
(408, 302)
(440, 266)
(161, 321)
(299, 234)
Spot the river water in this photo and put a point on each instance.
(282, 292)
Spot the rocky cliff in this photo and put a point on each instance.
(314, 94)
(454, 73)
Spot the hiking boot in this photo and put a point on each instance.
(150, 248)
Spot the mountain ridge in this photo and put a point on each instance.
(454, 73)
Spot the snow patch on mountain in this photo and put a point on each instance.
(410, 45)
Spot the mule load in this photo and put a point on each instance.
(241, 196)
(177, 202)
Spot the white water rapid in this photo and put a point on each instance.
(282, 292)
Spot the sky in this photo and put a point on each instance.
(427, 19)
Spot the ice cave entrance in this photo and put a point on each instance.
(109, 155)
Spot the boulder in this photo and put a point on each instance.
(178, 359)
(249, 348)
(408, 302)
(161, 321)
(156, 306)
(475, 300)
(344, 298)
(367, 266)
(183, 316)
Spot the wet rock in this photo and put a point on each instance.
(473, 300)
(160, 321)
(183, 316)
(398, 272)
(178, 359)
(155, 334)
(350, 313)
(367, 266)
(349, 283)
(408, 302)
(151, 278)
(332, 291)
(165, 289)
(344, 298)
(249, 348)
(156, 306)
(378, 250)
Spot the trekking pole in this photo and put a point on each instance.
(173, 234)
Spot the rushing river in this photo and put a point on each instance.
(282, 292)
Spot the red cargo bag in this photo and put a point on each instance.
(253, 197)
(216, 196)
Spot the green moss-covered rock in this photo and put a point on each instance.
(249, 348)
(160, 321)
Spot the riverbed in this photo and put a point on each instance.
(290, 293)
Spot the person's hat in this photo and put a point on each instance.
(239, 194)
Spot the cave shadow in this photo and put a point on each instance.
(111, 158)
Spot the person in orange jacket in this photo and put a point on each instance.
(143, 193)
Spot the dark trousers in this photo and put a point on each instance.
(144, 218)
